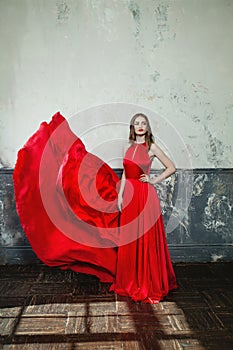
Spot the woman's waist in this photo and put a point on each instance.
(134, 176)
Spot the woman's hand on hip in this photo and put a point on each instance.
(145, 178)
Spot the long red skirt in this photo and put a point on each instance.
(55, 208)
(144, 269)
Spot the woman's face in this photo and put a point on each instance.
(140, 125)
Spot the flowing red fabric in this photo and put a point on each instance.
(55, 219)
(144, 268)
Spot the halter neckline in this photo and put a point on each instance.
(139, 143)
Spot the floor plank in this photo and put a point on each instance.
(44, 308)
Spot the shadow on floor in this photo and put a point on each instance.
(47, 308)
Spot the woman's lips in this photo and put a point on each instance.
(140, 130)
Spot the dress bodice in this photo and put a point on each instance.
(137, 161)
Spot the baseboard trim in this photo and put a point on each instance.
(179, 253)
(201, 252)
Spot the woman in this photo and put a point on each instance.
(144, 269)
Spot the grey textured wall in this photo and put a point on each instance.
(204, 234)
(173, 57)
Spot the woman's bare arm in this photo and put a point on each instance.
(165, 160)
(121, 190)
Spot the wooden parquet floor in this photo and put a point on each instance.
(45, 308)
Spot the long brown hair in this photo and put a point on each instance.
(149, 138)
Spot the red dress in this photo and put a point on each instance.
(66, 199)
(144, 269)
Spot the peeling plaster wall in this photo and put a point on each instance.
(201, 233)
(172, 57)
(100, 61)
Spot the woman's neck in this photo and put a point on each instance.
(140, 139)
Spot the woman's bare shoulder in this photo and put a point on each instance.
(155, 149)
